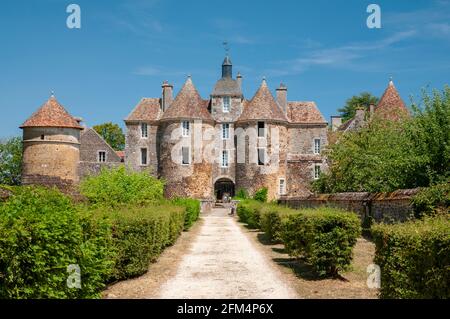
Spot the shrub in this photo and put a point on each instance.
(414, 258)
(41, 235)
(117, 186)
(192, 210)
(139, 235)
(249, 212)
(429, 200)
(271, 220)
(242, 194)
(261, 195)
(324, 237)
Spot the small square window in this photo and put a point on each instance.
(185, 153)
(186, 128)
(317, 171)
(101, 156)
(226, 104)
(225, 131)
(317, 146)
(144, 130)
(144, 157)
(261, 129)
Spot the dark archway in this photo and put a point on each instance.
(223, 186)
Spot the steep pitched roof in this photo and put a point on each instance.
(262, 107)
(88, 138)
(227, 86)
(304, 112)
(188, 105)
(148, 109)
(51, 114)
(391, 105)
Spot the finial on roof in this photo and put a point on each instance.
(52, 94)
(239, 75)
(391, 82)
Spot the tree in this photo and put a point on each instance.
(11, 161)
(112, 134)
(362, 100)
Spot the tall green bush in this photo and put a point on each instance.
(324, 237)
(116, 186)
(192, 210)
(261, 195)
(414, 258)
(249, 212)
(432, 200)
(41, 235)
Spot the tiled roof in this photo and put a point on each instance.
(391, 105)
(188, 105)
(304, 112)
(227, 86)
(51, 114)
(148, 109)
(262, 107)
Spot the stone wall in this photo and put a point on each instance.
(382, 207)
(135, 142)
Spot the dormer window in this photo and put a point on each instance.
(226, 104)
(185, 128)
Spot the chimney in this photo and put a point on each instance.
(167, 95)
(336, 122)
(239, 80)
(282, 97)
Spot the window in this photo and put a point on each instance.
(282, 186)
(42, 137)
(261, 129)
(224, 158)
(185, 153)
(144, 160)
(317, 171)
(225, 131)
(144, 130)
(261, 156)
(101, 156)
(226, 104)
(186, 128)
(317, 146)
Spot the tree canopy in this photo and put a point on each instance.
(362, 100)
(11, 161)
(112, 134)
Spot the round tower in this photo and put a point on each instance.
(51, 147)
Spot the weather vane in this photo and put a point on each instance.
(225, 45)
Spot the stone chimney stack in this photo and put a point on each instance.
(239, 80)
(282, 97)
(167, 95)
(336, 122)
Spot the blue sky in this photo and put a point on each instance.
(322, 50)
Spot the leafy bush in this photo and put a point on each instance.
(324, 237)
(414, 258)
(116, 186)
(431, 199)
(261, 195)
(41, 235)
(11, 161)
(192, 207)
(271, 220)
(249, 212)
(242, 194)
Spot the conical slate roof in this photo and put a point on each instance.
(188, 105)
(51, 114)
(262, 107)
(391, 105)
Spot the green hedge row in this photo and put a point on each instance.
(414, 258)
(43, 232)
(192, 207)
(324, 237)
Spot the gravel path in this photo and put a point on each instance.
(223, 263)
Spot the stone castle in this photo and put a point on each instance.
(202, 148)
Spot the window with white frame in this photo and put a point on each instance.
(101, 156)
(261, 129)
(282, 186)
(317, 146)
(317, 171)
(261, 156)
(224, 161)
(186, 155)
(225, 131)
(186, 126)
(144, 157)
(226, 104)
(144, 130)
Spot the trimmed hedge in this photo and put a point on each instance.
(324, 237)
(272, 220)
(192, 207)
(41, 235)
(414, 258)
(249, 212)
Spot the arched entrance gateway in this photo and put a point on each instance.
(223, 186)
